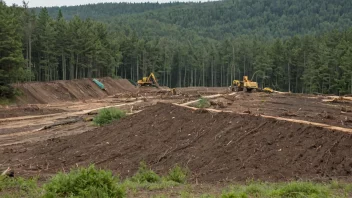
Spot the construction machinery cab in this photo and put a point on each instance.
(245, 85)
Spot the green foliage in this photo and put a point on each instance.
(203, 103)
(145, 174)
(273, 190)
(6, 91)
(11, 58)
(207, 196)
(19, 187)
(84, 182)
(220, 18)
(106, 116)
(301, 190)
(212, 43)
(234, 195)
(177, 174)
(134, 185)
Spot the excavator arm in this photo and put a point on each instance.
(153, 79)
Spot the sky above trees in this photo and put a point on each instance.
(50, 3)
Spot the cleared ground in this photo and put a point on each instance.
(241, 136)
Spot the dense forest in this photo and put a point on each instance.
(269, 18)
(297, 46)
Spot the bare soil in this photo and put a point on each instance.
(56, 133)
(215, 147)
(26, 110)
(73, 90)
(294, 106)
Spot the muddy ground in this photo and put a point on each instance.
(57, 133)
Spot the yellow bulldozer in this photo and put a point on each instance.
(268, 90)
(246, 85)
(148, 81)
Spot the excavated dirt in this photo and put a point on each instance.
(72, 90)
(26, 110)
(203, 90)
(294, 106)
(215, 147)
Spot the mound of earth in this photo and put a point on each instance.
(70, 90)
(215, 147)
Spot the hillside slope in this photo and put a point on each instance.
(270, 18)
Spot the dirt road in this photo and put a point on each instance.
(40, 127)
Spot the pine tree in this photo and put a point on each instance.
(11, 59)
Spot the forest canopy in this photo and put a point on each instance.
(297, 46)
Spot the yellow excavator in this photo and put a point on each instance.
(148, 81)
(245, 85)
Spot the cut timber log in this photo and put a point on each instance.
(330, 127)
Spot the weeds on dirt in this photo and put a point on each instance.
(19, 187)
(146, 178)
(288, 190)
(145, 174)
(5, 101)
(203, 103)
(207, 196)
(106, 116)
(177, 174)
(84, 182)
(134, 186)
(91, 182)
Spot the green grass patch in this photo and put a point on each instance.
(92, 182)
(145, 175)
(203, 103)
(5, 101)
(145, 178)
(177, 174)
(108, 115)
(287, 190)
(301, 190)
(84, 182)
(135, 186)
(19, 187)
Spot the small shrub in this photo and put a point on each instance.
(145, 174)
(84, 182)
(203, 103)
(106, 116)
(177, 174)
(6, 91)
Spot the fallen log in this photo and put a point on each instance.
(330, 127)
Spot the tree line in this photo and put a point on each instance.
(300, 64)
(41, 48)
(38, 47)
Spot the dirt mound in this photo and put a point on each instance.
(71, 90)
(215, 147)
